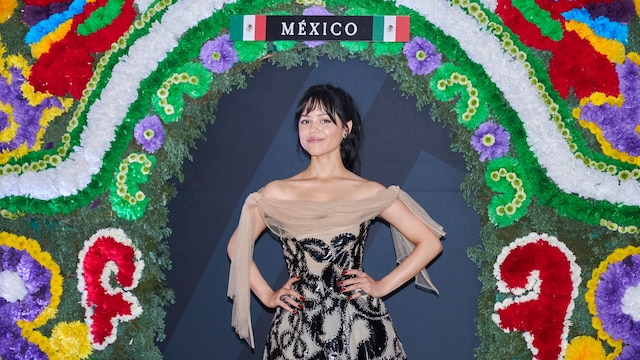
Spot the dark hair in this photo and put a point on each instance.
(338, 104)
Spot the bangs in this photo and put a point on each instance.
(321, 100)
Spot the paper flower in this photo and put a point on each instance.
(218, 55)
(149, 133)
(422, 57)
(491, 141)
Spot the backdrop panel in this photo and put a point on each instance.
(253, 141)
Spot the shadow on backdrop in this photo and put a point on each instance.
(252, 142)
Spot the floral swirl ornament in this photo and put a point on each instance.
(613, 297)
(30, 290)
(505, 177)
(450, 81)
(126, 199)
(191, 79)
(502, 73)
(540, 273)
(108, 253)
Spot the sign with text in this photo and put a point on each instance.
(319, 28)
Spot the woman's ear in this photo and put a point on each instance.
(349, 124)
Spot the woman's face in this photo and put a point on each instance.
(318, 134)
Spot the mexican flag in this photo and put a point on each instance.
(248, 28)
(391, 28)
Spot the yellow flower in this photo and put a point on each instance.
(585, 348)
(7, 7)
(71, 340)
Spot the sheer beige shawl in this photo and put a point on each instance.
(302, 219)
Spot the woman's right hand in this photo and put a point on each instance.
(286, 297)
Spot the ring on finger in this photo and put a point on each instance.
(283, 297)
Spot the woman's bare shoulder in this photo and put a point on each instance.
(275, 189)
(363, 188)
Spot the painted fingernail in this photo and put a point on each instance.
(344, 272)
(339, 283)
(302, 298)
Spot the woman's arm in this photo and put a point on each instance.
(259, 286)
(427, 247)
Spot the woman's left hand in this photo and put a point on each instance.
(359, 283)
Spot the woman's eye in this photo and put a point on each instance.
(304, 121)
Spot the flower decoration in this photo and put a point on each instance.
(615, 120)
(315, 11)
(24, 113)
(7, 7)
(422, 57)
(612, 296)
(491, 141)
(71, 340)
(149, 133)
(30, 289)
(108, 252)
(540, 272)
(585, 348)
(218, 55)
(67, 66)
(582, 69)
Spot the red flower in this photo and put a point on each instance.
(68, 65)
(575, 64)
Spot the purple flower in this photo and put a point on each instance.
(616, 286)
(315, 11)
(491, 141)
(629, 352)
(619, 124)
(218, 55)
(149, 133)
(421, 55)
(28, 120)
(36, 279)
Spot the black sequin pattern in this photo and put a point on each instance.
(330, 326)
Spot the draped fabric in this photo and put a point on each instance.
(304, 219)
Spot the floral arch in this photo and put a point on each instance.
(93, 124)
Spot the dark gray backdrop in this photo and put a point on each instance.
(252, 142)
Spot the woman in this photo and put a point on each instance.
(329, 308)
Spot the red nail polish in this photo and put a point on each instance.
(302, 298)
(344, 272)
(339, 283)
